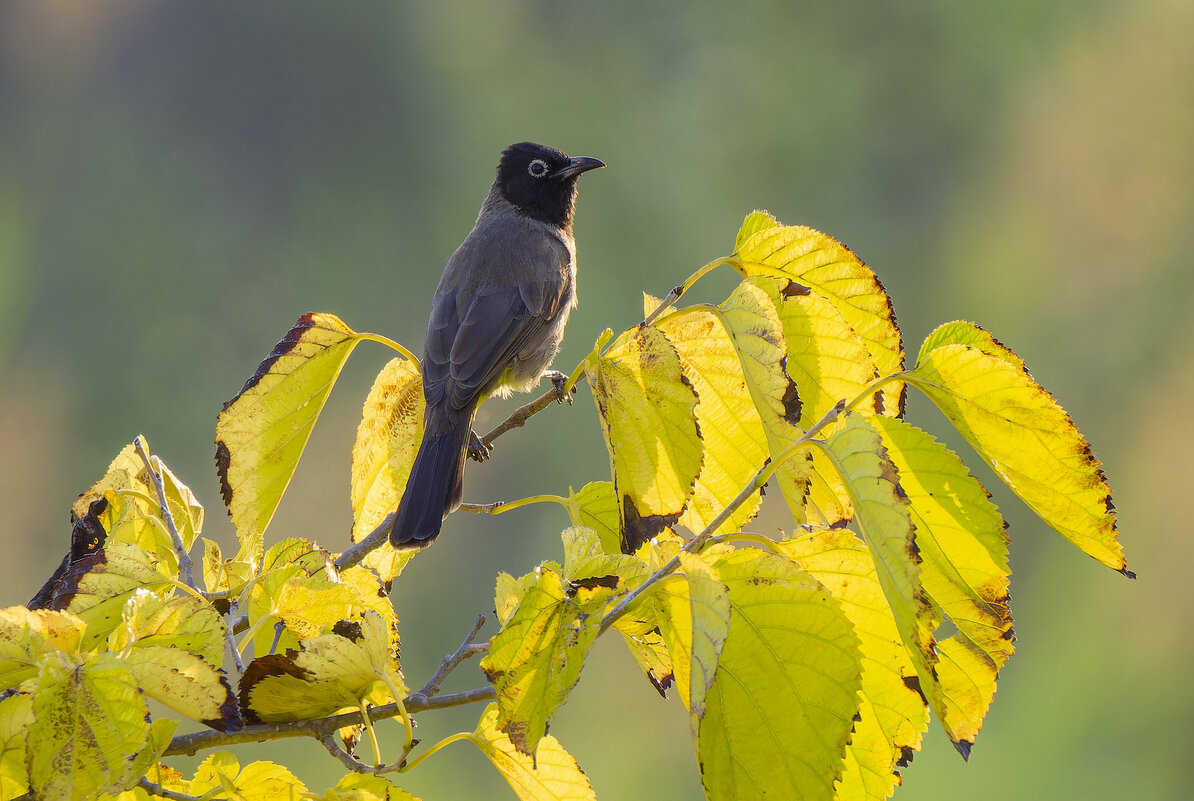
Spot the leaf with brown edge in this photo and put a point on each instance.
(387, 439)
(832, 270)
(732, 435)
(184, 622)
(186, 683)
(646, 410)
(551, 775)
(536, 659)
(963, 548)
(263, 430)
(1021, 431)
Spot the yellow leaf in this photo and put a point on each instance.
(25, 636)
(508, 594)
(755, 222)
(650, 652)
(892, 715)
(1026, 437)
(694, 619)
(16, 713)
(187, 684)
(783, 699)
(220, 574)
(646, 411)
(97, 586)
(359, 787)
(832, 270)
(535, 660)
(732, 435)
(263, 431)
(594, 576)
(882, 514)
(551, 775)
(89, 717)
(387, 440)
(258, 781)
(963, 551)
(184, 622)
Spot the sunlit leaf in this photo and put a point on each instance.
(258, 781)
(596, 506)
(963, 551)
(263, 431)
(184, 622)
(735, 445)
(694, 619)
(89, 717)
(359, 787)
(25, 636)
(833, 271)
(16, 713)
(646, 412)
(551, 775)
(783, 699)
(535, 660)
(387, 440)
(882, 515)
(592, 575)
(1022, 432)
(220, 574)
(892, 714)
(98, 585)
(187, 684)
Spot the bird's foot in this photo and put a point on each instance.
(478, 451)
(559, 381)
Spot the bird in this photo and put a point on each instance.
(497, 319)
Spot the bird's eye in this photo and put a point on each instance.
(537, 168)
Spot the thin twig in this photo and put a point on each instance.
(359, 550)
(519, 416)
(159, 790)
(184, 558)
(466, 649)
(230, 639)
(190, 743)
(349, 761)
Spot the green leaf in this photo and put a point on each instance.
(25, 636)
(592, 575)
(551, 775)
(536, 659)
(783, 699)
(596, 506)
(892, 714)
(382, 455)
(89, 718)
(646, 412)
(755, 222)
(16, 713)
(262, 432)
(833, 271)
(963, 550)
(1023, 434)
(732, 436)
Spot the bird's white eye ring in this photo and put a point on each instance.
(537, 168)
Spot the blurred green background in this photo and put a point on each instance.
(179, 181)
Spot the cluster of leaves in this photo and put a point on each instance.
(809, 662)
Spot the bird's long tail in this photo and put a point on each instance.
(434, 487)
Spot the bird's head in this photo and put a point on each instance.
(541, 181)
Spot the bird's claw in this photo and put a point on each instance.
(478, 451)
(560, 381)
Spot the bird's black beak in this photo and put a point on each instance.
(580, 164)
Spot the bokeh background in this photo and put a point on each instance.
(179, 181)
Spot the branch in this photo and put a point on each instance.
(519, 417)
(359, 550)
(184, 558)
(466, 649)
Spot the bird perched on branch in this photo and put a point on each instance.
(497, 318)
